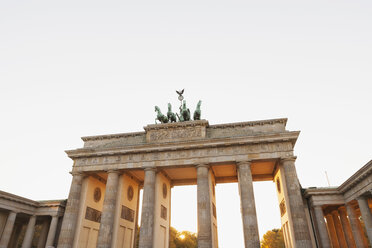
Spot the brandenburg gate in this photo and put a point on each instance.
(109, 171)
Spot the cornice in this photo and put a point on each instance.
(250, 123)
(19, 199)
(53, 203)
(32, 203)
(112, 136)
(358, 176)
(186, 145)
(321, 191)
(203, 123)
(185, 124)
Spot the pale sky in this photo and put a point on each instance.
(76, 68)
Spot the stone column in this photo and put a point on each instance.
(322, 229)
(204, 207)
(52, 232)
(354, 223)
(27, 240)
(346, 227)
(247, 205)
(148, 205)
(136, 241)
(332, 231)
(66, 237)
(366, 216)
(339, 231)
(108, 210)
(295, 203)
(43, 234)
(8, 229)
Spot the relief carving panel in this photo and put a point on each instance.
(176, 134)
(93, 214)
(127, 213)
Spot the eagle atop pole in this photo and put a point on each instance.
(180, 96)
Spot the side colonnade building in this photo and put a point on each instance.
(342, 215)
(20, 217)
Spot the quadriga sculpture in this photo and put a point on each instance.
(184, 113)
(171, 116)
(197, 113)
(162, 118)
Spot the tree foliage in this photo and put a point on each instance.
(273, 239)
(177, 239)
(182, 239)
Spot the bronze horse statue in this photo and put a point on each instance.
(162, 118)
(171, 116)
(197, 113)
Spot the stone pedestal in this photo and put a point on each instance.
(66, 237)
(27, 240)
(248, 208)
(108, 211)
(148, 204)
(322, 229)
(366, 216)
(204, 208)
(8, 229)
(297, 210)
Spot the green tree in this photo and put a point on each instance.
(273, 239)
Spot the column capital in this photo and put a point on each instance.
(334, 212)
(203, 165)
(318, 207)
(288, 159)
(77, 173)
(113, 171)
(361, 197)
(150, 168)
(342, 209)
(328, 214)
(243, 162)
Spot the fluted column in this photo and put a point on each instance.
(52, 232)
(204, 207)
(297, 210)
(322, 229)
(43, 234)
(8, 229)
(332, 231)
(366, 216)
(346, 227)
(27, 240)
(108, 210)
(66, 237)
(148, 205)
(247, 204)
(339, 231)
(354, 223)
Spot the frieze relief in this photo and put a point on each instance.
(185, 154)
(175, 134)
